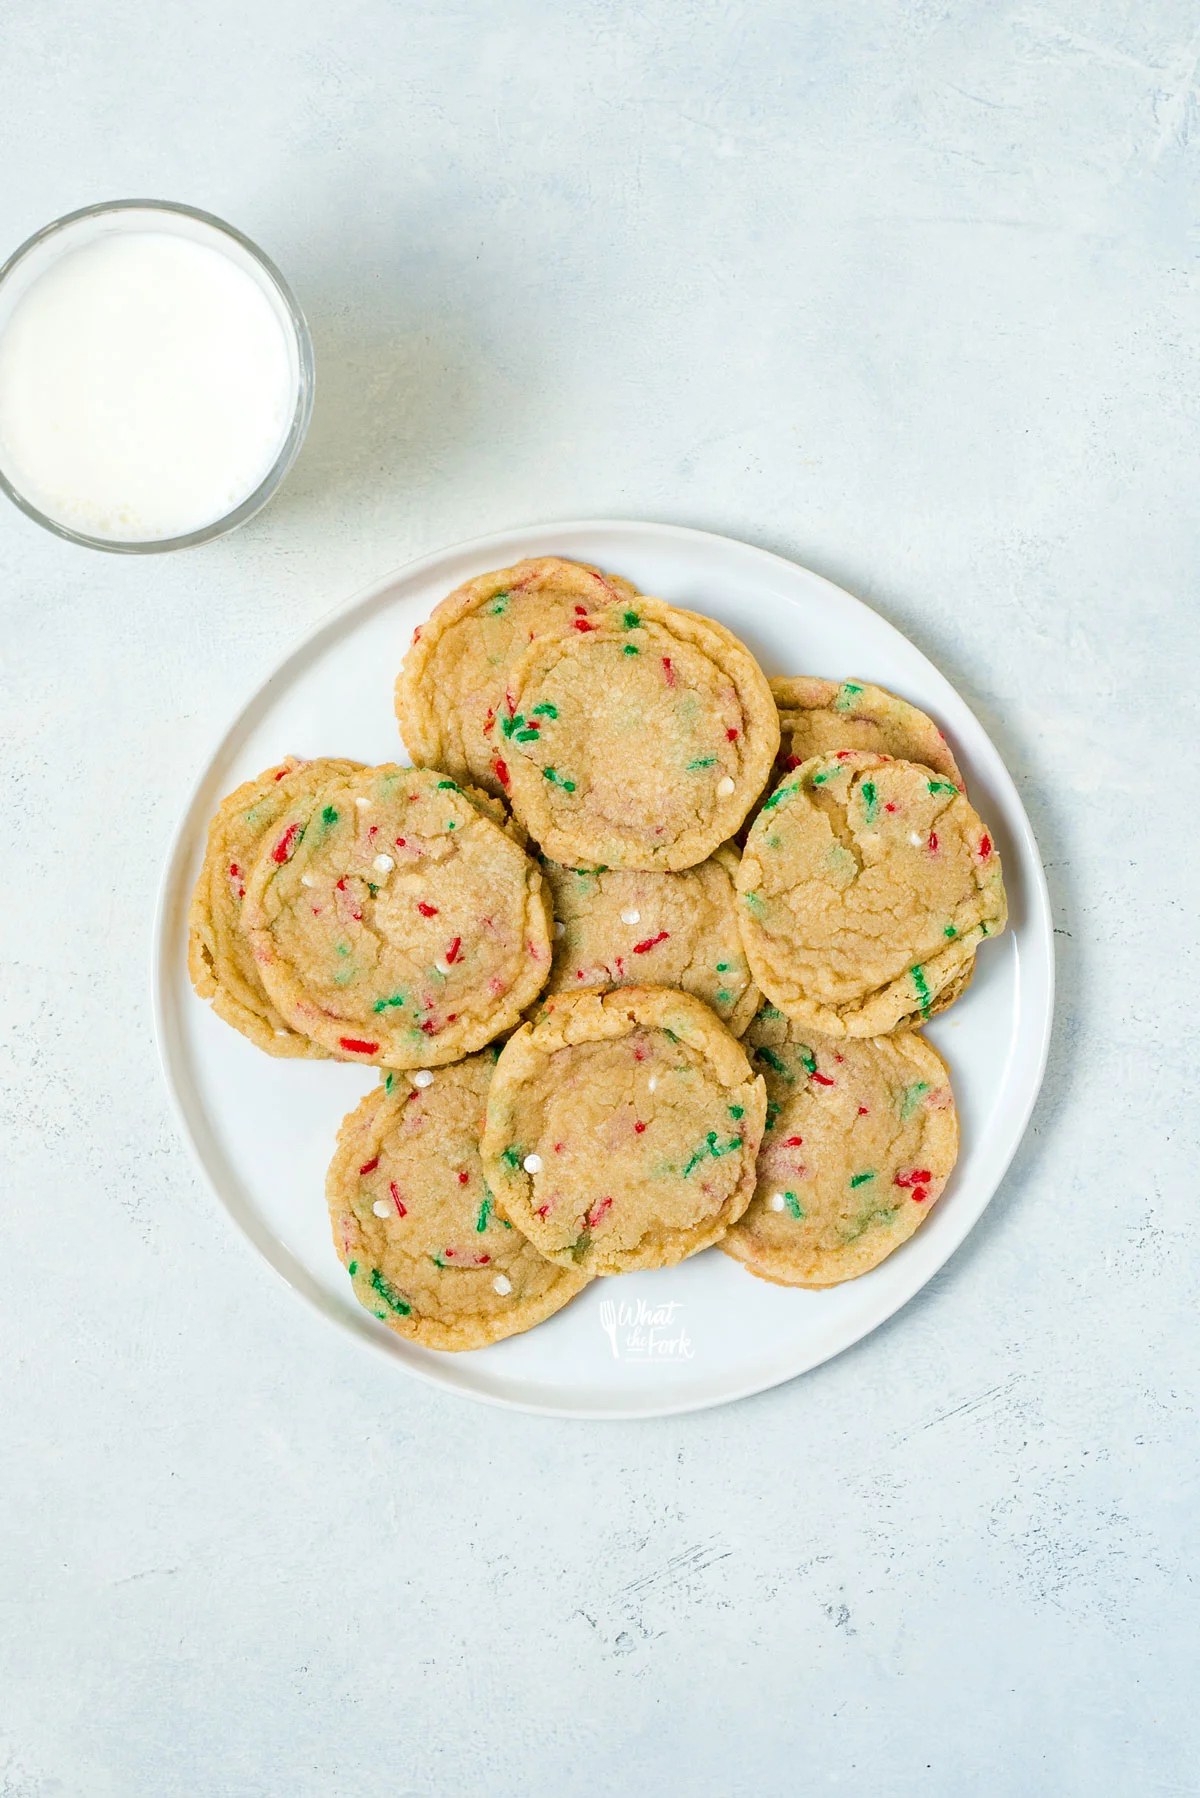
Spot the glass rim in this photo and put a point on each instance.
(301, 413)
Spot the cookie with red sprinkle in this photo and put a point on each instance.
(450, 691)
(392, 920)
(819, 717)
(220, 961)
(866, 887)
(641, 743)
(861, 1137)
(621, 927)
(622, 1129)
(415, 1224)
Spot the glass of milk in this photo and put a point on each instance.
(156, 377)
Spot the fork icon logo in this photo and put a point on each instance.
(638, 1331)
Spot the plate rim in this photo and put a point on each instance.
(163, 948)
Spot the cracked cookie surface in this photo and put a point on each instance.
(450, 691)
(414, 1221)
(641, 742)
(394, 921)
(642, 928)
(861, 1137)
(866, 887)
(622, 1129)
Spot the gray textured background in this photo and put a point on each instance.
(907, 291)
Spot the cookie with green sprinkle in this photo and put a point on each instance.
(220, 960)
(414, 1223)
(645, 739)
(618, 927)
(394, 921)
(622, 1129)
(865, 889)
(450, 691)
(819, 717)
(863, 1135)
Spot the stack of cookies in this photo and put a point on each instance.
(609, 1038)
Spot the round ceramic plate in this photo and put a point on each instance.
(644, 1344)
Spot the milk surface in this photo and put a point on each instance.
(146, 387)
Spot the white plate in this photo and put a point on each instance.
(648, 1344)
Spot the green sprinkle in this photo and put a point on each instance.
(704, 761)
(631, 649)
(922, 988)
(389, 1295)
(773, 1111)
(498, 604)
(950, 931)
(511, 1157)
(794, 1206)
(847, 694)
(631, 621)
(768, 1011)
(773, 1061)
(911, 1098)
(452, 784)
(352, 1269)
(556, 779)
(485, 1211)
(545, 710)
(722, 967)
(870, 800)
(941, 786)
(382, 1315)
(724, 997)
(580, 1248)
(672, 1036)
(387, 1004)
(329, 816)
(372, 888)
(509, 725)
(528, 736)
(779, 795)
(860, 1179)
(818, 780)
(737, 1111)
(389, 1081)
(808, 1058)
(450, 824)
(753, 900)
(697, 1158)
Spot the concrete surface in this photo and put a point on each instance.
(907, 291)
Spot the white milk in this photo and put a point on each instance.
(146, 387)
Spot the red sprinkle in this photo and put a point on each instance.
(400, 844)
(933, 842)
(356, 1046)
(791, 761)
(862, 1111)
(597, 1212)
(920, 1196)
(558, 1148)
(821, 1079)
(368, 1167)
(429, 1027)
(793, 1142)
(842, 754)
(541, 1211)
(890, 806)
(463, 1178)
(426, 911)
(287, 842)
(502, 773)
(489, 720)
(582, 611)
(668, 671)
(639, 1128)
(235, 870)
(985, 846)
(918, 1176)
(281, 774)
(452, 951)
(731, 736)
(581, 624)
(650, 942)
